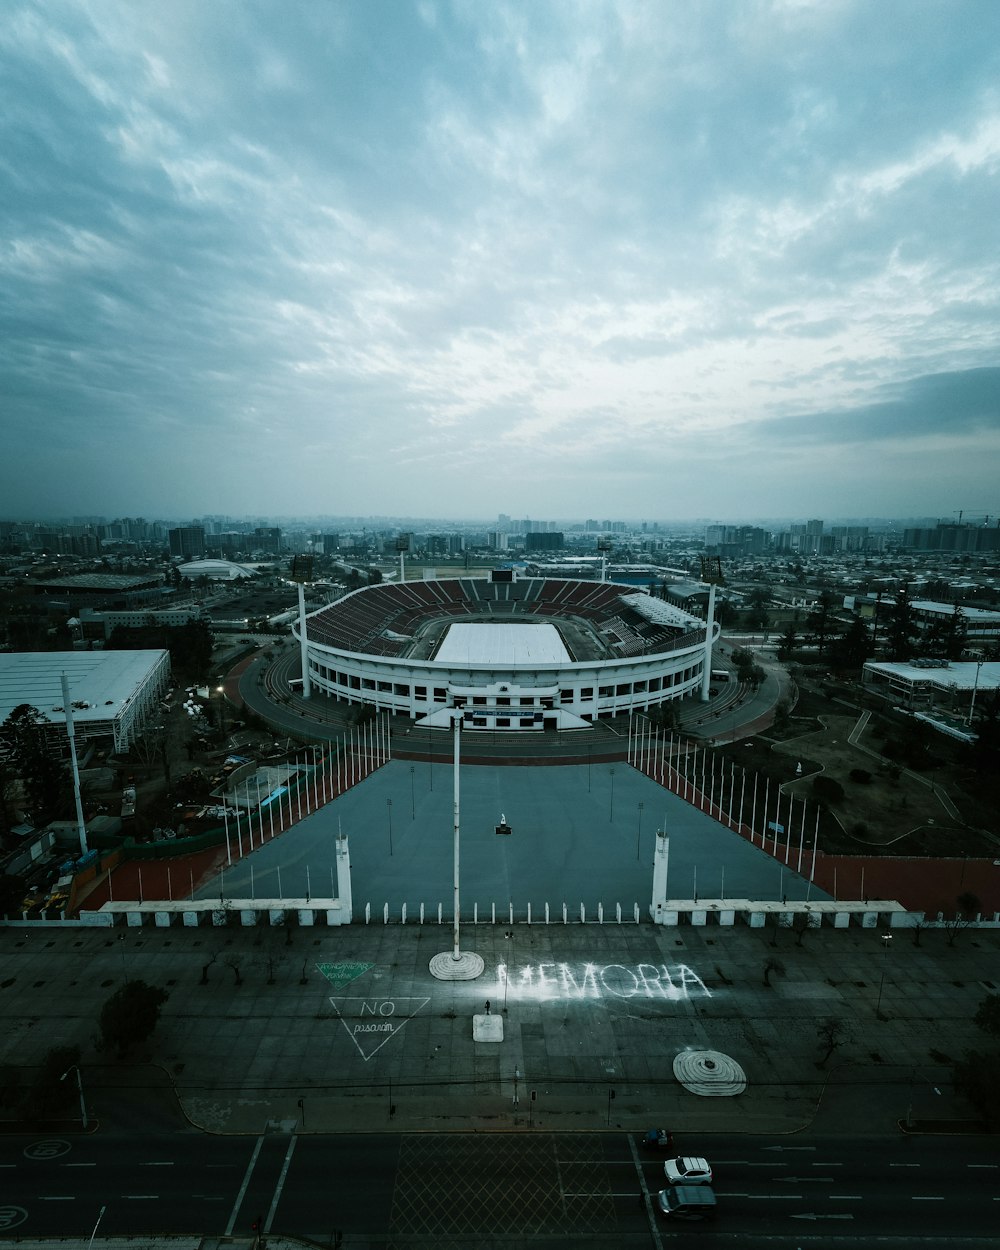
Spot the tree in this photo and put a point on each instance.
(968, 906)
(827, 789)
(901, 628)
(773, 967)
(946, 636)
(43, 778)
(13, 888)
(745, 663)
(977, 1077)
(852, 647)
(800, 926)
(786, 644)
(818, 620)
(832, 1033)
(987, 1015)
(130, 1015)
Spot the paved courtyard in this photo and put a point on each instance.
(581, 834)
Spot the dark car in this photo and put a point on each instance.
(658, 1139)
(687, 1202)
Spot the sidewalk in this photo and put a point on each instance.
(346, 1030)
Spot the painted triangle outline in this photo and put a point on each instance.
(368, 1022)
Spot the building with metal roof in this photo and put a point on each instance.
(113, 693)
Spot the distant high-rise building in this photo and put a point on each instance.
(543, 542)
(187, 541)
(267, 538)
(948, 537)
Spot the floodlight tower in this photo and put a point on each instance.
(604, 545)
(301, 573)
(711, 572)
(402, 546)
(71, 734)
(453, 965)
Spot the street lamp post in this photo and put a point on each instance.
(100, 1216)
(456, 965)
(886, 943)
(975, 687)
(79, 1085)
(638, 834)
(508, 937)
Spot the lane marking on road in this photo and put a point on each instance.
(243, 1188)
(645, 1197)
(280, 1185)
(79, 1165)
(141, 1197)
(983, 1165)
(165, 1163)
(904, 1165)
(927, 1198)
(58, 1197)
(845, 1197)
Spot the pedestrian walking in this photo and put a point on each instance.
(487, 1006)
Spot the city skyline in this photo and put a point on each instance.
(661, 261)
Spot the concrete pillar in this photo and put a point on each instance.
(661, 861)
(344, 880)
(304, 644)
(709, 625)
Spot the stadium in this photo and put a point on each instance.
(529, 654)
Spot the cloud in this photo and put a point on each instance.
(365, 256)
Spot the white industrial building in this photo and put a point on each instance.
(113, 693)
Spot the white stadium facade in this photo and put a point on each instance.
(530, 653)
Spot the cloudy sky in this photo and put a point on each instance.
(454, 258)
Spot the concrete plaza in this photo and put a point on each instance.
(582, 834)
(345, 1029)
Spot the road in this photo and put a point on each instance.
(801, 1191)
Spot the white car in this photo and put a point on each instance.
(688, 1170)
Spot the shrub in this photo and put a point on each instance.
(827, 790)
(862, 776)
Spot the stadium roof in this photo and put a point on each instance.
(100, 682)
(503, 645)
(660, 612)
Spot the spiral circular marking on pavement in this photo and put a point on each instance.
(709, 1073)
(467, 967)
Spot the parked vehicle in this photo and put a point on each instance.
(687, 1202)
(688, 1170)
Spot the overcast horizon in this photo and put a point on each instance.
(644, 259)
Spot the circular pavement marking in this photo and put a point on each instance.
(709, 1073)
(467, 967)
(49, 1148)
(11, 1216)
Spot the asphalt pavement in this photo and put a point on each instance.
(345, 1030)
